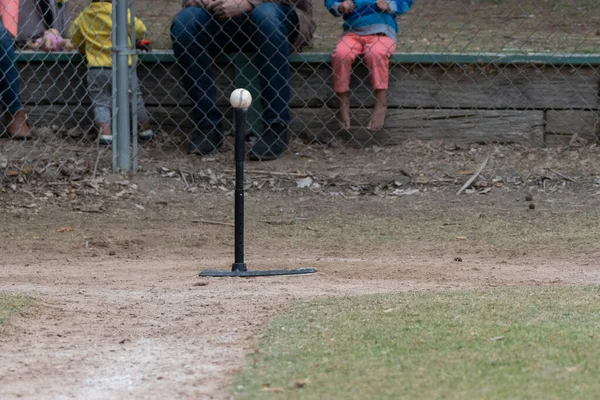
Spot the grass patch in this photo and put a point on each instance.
(530, 343)
(10, 304)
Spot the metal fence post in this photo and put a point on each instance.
(134, 87)
(122, 95)
(115, 149)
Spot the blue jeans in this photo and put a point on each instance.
(198, 37)
(9, 75)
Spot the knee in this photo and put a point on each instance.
(378, 54)
(343, 54)
(268, 17)
(188, 23)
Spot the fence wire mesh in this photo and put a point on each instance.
(464, 73)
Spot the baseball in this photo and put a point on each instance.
(240, 98)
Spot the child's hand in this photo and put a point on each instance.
(383, 5)
(346, 7)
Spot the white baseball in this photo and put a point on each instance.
(240, 98)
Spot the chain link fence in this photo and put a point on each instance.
(464, 73)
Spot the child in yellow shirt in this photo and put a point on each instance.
(91, 34)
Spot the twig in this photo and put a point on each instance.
(274, 173)
(187, 185)
(561, 175)
(97, 161)
(278, 222)
(573, 140)
(202, 221)
(70, 182)
(474, 176)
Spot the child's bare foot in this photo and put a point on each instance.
(343, 114)
(379, 111)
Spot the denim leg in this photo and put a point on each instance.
(99, 82)
(193, 33)
(272, 28)
(9, 75)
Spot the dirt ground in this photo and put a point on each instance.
(112, 261)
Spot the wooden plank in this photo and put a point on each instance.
(586, 124)
(458, 86)
(53, 83)
(169, 119)
(161, 84)
(459, 126)
(557, 140)
(61, 83)
(413, 86)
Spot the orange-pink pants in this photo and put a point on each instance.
(377, 50)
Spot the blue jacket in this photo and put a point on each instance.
(367, 13)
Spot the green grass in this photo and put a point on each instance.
(10, 305)
(534, 343)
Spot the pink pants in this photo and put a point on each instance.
(377, 50)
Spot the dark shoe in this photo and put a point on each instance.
(145, 132)
(105, 137)
(271, 144)
(205, 143)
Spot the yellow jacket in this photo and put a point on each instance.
(91, 33)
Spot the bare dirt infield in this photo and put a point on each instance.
(122, 313)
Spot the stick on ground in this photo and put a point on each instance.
(568, 178)
(475, 175)
(202, 221)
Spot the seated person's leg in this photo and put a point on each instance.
(15, 118)
(377, 57)
(195, 36)
(99, 83)
(272, 29)
(145, 132)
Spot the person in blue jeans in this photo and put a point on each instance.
(15, 119)
(205, 29)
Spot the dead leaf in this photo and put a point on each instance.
(304, 182)
(26, 171)
(423, 179)
(94, 208)
(405, 192)
(65, 229)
